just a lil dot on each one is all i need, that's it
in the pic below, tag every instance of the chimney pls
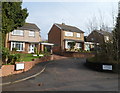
(63, 23)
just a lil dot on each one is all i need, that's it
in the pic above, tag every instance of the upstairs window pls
(78, 35)
(32, 33)
(92, 39)
(106, 38)
(68, 33)
(17, 32)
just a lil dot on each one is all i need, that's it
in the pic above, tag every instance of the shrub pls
(14, 49)
(45, 50)
(9, 57)
(35, 50)
(12, 58)
(5, 54)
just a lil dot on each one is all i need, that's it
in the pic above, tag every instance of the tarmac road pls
(68, 75)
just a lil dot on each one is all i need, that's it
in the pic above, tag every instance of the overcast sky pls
(45, 14)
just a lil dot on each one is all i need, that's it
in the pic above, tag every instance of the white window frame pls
(78, 35)
(78, 45)
(18, 32)
(66, 44)
(32, 33)
(106, 38)
(69, 34)
(22, 45)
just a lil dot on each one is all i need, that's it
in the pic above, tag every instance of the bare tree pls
(92, 24)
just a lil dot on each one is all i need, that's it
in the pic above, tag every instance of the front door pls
(31, 48)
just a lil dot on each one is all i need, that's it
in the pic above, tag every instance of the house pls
(97, 37)
(24, 38)
(61, 34)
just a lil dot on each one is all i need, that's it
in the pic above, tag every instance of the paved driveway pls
(68, 75)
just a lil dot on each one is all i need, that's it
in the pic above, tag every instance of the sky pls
(45, 14)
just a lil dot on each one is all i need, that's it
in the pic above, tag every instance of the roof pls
(69, 28)
(29, 26)
(104, 33)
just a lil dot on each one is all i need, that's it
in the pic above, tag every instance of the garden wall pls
(98, 66)
(10, 69)
(77, 54)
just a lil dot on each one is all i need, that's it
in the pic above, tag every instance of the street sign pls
(107, 67)
(20, 66)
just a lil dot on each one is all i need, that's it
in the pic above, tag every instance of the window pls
(17, 32)
(31, 33)
(106, 38)
(17, 45)
(78, 35)
(92, 39)
(66, 44)
(78, 45)
(68, 33)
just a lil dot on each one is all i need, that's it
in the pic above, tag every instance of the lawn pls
(27, 57)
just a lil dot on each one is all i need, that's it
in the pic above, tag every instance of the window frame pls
(18, 32)
(32, 33)
(14, 45)
(66, 34)
(77, 35)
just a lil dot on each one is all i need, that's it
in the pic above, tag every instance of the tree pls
(116, 38)
(13, 16)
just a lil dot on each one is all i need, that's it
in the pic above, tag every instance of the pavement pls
(68, 74)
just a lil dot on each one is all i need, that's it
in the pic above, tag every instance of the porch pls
(79, 45)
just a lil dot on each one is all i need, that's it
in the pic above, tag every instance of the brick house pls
(61, 34)
(98, 37)
(24, 39)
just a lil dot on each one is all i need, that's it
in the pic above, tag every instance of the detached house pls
(97, 37)
(61, 34)
(24, 39)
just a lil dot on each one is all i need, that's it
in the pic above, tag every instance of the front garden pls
(105, 59)
(10, 57)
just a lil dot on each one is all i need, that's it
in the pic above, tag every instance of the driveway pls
(68, 74)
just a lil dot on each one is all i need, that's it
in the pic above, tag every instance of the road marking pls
(2, 84)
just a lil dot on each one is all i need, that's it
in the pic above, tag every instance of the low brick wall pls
(10, 69)
(77, 54)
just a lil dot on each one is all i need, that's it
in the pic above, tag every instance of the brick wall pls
(10, 69)
(77, 54)
(54, 36)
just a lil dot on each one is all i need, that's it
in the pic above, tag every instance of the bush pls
(12, 58)
(45, 50)
(35, 50)
(5, 54)
(9, 57)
